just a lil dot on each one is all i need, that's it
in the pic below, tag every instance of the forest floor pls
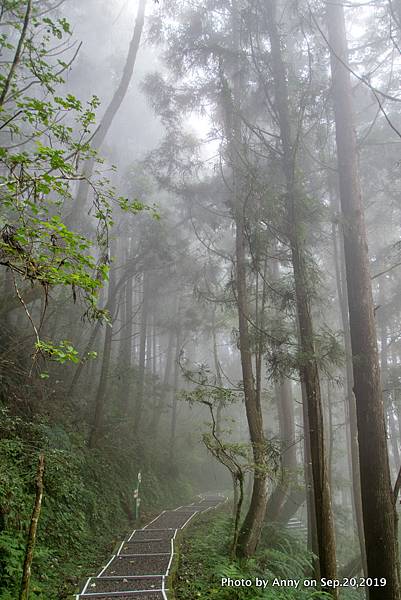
(205, 570)
(141, 566)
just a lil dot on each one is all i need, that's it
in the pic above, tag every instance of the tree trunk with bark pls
(392, 432)
(115, 103)
(308, 369)
(312, 541)
(126, 334)
(286, 499)
(377, 497)
(251, 528)
(100, 399)
(26, 571)
(173, 427)
(82, 362)
(350, 406)
(165, 391)
(142, 351)
(217, 368)
(289, 465)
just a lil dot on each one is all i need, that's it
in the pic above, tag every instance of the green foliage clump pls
(204, 561)
(87, 505)
(46, 147)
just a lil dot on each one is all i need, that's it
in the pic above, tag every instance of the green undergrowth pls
(204, 561)
(87, 505)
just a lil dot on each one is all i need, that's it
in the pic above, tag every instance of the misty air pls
(200, 314)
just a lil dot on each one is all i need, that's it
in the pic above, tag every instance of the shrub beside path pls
(141, 566)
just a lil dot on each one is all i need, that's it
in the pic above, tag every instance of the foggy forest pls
(200, 314)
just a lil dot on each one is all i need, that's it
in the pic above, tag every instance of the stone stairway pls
(141, 566)
(296, 525)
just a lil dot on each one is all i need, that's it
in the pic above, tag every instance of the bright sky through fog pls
(359, 14)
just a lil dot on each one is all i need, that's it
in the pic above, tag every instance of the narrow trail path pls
(141, 566)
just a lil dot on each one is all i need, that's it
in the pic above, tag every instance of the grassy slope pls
(203, 562)
(86, 506)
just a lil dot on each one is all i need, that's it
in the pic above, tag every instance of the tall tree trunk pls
(393, 435)
(330, 429)
(142, 351)
(379, 514)
(100, 399)
(295, 499)
(126, 348)
(82, 363)
(387, 399)
(165, 391)
(350, 406)
(173, 428)
(115, 102)
(252, 526)
(7, 82)
(312, 542)
(308, 370)
(217, 368)
(26, 572)
(283, 502)
(154, 355)
(283, 394)
(260, 306)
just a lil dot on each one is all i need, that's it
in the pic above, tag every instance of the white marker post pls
(137, 497)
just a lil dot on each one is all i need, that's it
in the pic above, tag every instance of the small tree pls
(45, 137)
(232, 455)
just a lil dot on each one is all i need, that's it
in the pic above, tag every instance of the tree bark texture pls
(26, 571)
(377, 497)
(173, 427)
(126, 345)
(142, 351)
(308, 370)
(165, 391)
(115, 102)
(100, 399)
(285, 409)
(350, 406)
(251, 527)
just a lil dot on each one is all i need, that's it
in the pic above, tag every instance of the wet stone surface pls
(149, 534)
(141, 595)
(138, 565)
(188, 512)
(145, 556)
(101, 585)
(171, 519)
(145, 547)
